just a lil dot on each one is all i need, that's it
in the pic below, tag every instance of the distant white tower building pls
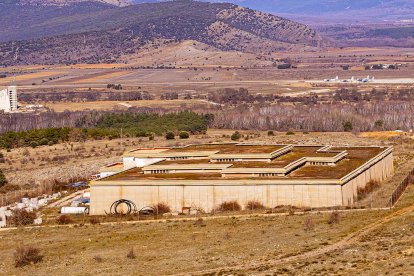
(8, 99)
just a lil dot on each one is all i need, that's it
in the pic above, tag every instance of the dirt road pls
(265, 266)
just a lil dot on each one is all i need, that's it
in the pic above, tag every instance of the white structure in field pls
(2, 217)
(8, 99)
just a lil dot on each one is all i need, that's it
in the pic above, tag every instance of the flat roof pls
(231, 148)
(356, 157)
(284, 160)
(114, 167)
(150, 151)
(353, 160)
(296, 153)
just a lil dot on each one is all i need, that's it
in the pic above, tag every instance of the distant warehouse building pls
(8, 99)
(204, 176)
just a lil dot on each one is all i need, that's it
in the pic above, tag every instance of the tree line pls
(322, 117)
(344, 110)
(18, 122)
(108, 126)
(231, 96)
(87, 96)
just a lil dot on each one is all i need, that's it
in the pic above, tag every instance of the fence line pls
(15, 196)
(401, 189)
(44, 188)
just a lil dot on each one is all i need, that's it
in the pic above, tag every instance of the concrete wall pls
(8, 99)
(106, 174)
(132, 162)
(185, 171)
(5, 100)
(378, 172)
(208, 197)
(215, 159)
(2, 217)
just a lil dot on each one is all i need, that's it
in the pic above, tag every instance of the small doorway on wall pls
(190, 211)
(186, 210)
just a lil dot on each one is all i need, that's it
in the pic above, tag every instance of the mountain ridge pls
(97, 32)
(370, 10)
(333, 10)
(118, 3)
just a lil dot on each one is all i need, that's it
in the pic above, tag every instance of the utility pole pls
(16, 55)
(370, 201)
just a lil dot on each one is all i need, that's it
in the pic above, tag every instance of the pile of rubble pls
(28, 204)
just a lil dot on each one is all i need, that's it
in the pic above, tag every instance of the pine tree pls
(3, 180)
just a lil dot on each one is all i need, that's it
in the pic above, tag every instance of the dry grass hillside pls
(368, 242)
(192, 53)
(88, 32)
(270, 26)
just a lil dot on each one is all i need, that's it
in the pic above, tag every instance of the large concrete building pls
(8, 99)
(204, 176)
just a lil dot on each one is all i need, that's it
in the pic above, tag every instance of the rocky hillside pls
(329, 10)
(369, 10)
(119, 3)
(95, 32)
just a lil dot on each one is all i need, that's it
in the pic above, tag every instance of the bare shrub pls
(254, 205)
(24, 161)
(131, 254)
(25, 255)
(98, 259)
(334, 218)
(45, 159)
(9, 188)
(200, 210)
(3, 179)
(64, 219)
(22, 217)
(94, 220)
(199, 222)
(309, 225)
(161, 208)
(227, 206)
(369, 188)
